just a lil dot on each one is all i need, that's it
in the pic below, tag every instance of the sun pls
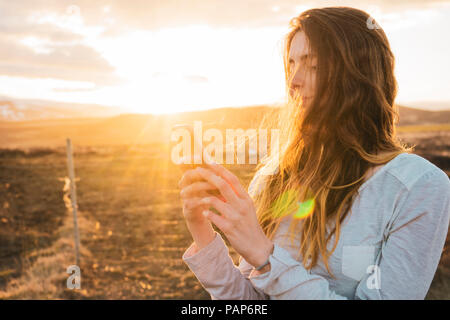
(189, 68)
(156, 71)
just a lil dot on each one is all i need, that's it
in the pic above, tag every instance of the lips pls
(293, 93)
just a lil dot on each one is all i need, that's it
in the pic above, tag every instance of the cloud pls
(192, 78)
(64, 53)
(196, 79)
(144, 14)
(119, 16)
(14, 29)
(74, 89)
(68, 62)
(56, 52)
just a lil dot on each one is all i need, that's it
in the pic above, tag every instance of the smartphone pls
(198, 156)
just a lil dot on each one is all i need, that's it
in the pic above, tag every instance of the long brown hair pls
(349, 127)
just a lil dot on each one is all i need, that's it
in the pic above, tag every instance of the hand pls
(193, 189)
(237, 218)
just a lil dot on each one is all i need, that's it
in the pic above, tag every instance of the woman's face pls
(302, 68)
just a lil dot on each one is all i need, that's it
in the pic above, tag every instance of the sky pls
(151, 56)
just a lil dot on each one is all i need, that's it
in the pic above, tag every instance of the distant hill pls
(24, 110)
(429, 105)
(121, 129)
(146, 128)
(412, 116)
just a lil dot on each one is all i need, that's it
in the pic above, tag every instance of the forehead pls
(299, 46)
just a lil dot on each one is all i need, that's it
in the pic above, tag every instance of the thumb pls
(218, 220)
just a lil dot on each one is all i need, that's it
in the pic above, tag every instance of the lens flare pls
(288, 203)
(305, 209)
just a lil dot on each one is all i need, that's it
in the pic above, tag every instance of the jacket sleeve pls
(216, 272)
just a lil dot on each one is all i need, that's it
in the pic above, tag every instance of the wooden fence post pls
(73, 197)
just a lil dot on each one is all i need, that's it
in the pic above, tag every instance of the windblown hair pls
(327, 148)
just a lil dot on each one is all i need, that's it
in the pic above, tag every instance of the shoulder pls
(416, 172)
(412, 194)
(427, 192)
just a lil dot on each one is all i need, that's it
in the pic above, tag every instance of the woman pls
(348, 211)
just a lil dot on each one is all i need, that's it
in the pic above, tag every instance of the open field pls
(132, 231)
(131, 226)
(424, 128)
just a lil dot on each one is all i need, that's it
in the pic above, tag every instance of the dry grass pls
(45, 278)
(424, 128)
(131, 228)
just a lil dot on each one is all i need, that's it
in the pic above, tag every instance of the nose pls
(297, 82)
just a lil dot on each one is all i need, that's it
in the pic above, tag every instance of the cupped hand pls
(237, 218)
(193, 189)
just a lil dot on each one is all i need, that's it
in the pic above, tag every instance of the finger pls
(196, 188)
(214, 193)
(219, 221)
(224, 188)
(222, 207)
(193, 203)
(189, 177)
(230, 178)
(200, 194)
